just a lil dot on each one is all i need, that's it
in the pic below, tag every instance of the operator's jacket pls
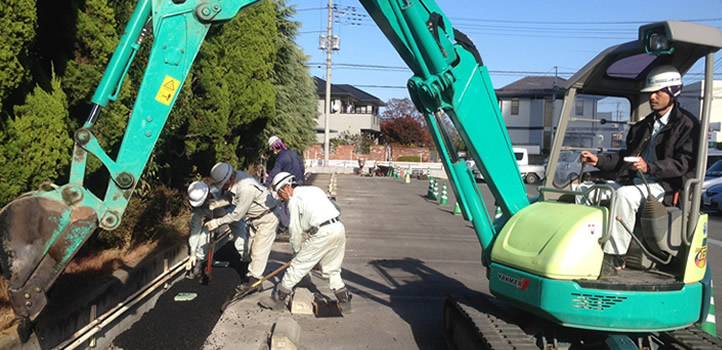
(250, 198)
(288, 161)
(675, 150)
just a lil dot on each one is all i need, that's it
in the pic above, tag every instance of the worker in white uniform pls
(254, 201)
(200, 201)
(313, 213)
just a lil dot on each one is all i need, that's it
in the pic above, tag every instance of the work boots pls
(344, 300)
(278, 300)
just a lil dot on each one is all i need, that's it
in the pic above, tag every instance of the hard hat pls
(664, 77)
(197, 193)
(220, 174)
(282, 179)
(272, 140)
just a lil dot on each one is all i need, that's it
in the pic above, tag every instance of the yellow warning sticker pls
(167, 90)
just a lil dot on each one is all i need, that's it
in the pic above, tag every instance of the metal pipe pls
(104, 320)
(702, 147)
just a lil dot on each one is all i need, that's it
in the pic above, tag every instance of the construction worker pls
(252, 200)
(286, 160)
(198, 196)
(316, 215)
(662, 146)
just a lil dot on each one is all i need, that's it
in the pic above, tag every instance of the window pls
(579, 107)
(514, 106)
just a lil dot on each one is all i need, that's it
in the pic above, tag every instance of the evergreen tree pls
(37, 146)
(296, 101)
(223, 108)
(19, 21)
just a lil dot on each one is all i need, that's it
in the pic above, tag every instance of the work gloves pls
(212, 225)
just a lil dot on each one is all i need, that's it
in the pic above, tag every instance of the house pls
(352, 110)
(691, 100)
(531, 107)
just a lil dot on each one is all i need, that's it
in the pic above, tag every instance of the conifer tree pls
(37, 146)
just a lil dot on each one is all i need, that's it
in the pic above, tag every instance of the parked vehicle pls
(713, 176)
(569, 168)
(712, 199)
(531, 173)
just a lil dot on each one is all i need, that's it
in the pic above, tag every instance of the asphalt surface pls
(404, 256)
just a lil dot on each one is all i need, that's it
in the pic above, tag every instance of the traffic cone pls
(444, 198)
(436, 190)
(498, 213)
(457, 209)
(428, 171)
(408, 178)
(710, 323)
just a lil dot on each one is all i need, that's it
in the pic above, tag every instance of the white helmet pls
(282, 179)
(197, 193)
(220, 174)
(272, 140)
(664, 77)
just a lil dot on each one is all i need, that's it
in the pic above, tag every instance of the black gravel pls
(186, 324)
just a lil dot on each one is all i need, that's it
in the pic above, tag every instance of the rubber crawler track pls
(483, 325)
(480, 327)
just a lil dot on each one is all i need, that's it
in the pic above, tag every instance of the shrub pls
(409, 159)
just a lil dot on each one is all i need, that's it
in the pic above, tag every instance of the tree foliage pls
(401, 108)
(362, 143)
(19, 21)
(406, 131)
(37, 145)
(296, 99)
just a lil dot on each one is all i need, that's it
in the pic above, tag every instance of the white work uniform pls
(252, 200)
(629, 199)
(309, 210)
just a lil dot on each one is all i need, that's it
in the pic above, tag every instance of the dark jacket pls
(288, 161)
(675, 148)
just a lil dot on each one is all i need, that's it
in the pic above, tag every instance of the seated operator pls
(665, 143)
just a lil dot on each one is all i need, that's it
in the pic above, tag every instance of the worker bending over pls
(252, 200)
(315, 214)
(198, 196)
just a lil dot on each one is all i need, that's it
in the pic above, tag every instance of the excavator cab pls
(602, 100)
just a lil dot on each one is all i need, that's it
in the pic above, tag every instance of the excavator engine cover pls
(39, 236)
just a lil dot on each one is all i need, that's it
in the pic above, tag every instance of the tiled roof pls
(342, 90)
(533, 86)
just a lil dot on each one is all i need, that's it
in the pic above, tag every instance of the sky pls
(515, 38)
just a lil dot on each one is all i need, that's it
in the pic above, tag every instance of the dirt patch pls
(92, 266)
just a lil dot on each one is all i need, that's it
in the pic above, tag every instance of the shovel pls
(248, 290)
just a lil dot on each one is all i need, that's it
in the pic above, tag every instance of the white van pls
(531, 174)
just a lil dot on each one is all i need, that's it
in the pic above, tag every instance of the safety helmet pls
(665, 78)
(220, 174)
(197, 193)
(272, 140)
(282, 179)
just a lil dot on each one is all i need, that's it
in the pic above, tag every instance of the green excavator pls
(541, 257)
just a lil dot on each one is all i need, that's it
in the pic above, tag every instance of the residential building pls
(352, 110)
(531, 107)
(691, 100)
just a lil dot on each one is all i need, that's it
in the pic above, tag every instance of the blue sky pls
(515, 38)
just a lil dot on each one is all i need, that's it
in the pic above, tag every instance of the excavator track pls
(481, 326)
(484, 324)
(691, 338)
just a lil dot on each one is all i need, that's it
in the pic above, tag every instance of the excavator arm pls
(41, 231)
(450, 80)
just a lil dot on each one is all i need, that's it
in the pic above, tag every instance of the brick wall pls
(376, 152)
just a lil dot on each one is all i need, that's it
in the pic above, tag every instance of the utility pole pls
(327, 106)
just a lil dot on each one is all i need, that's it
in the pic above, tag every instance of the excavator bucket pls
(39, 237)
